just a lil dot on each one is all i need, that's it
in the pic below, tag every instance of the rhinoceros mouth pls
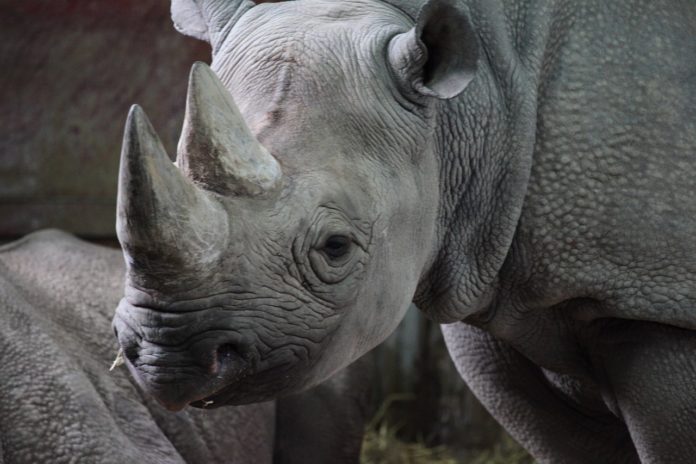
(174, 390)
(194, 370)
(246, 389)
(223, 397)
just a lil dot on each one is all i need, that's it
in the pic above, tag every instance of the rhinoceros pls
(59, 403)
(523, 170)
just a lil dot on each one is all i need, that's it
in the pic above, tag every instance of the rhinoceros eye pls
(334, 249)
(336, 246)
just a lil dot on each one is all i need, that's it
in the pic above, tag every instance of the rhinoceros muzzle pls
(173, 228)
(175, 364)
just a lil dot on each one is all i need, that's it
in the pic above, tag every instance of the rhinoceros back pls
(58, 400)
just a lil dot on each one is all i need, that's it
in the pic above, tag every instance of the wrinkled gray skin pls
(59, 403)
(523, 170)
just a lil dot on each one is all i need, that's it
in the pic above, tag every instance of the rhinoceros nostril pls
(226, 352)
(131, 353)
(228, 359)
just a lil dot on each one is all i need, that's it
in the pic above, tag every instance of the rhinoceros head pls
(292, 232)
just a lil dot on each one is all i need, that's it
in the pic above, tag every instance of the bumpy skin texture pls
(589, 351)
(545, 208)
(59, 402)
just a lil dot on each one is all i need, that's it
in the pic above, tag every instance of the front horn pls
(217, 150)
(164, 222)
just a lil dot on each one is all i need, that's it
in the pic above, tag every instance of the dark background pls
(70, 69)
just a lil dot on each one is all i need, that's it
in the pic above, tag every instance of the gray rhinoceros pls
(523, 170)
(59, 403)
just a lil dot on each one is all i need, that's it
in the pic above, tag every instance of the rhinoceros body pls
(60, 403)
(522, 170)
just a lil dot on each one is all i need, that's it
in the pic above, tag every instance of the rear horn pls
(217, 150)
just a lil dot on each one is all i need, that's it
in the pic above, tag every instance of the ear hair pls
(207, 19)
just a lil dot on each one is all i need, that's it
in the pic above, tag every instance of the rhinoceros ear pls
(208, 19)
(436, 58)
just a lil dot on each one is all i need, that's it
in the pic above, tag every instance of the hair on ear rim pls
(208, 20)
(188, 19)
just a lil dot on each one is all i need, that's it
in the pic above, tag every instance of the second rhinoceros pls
(523, 170)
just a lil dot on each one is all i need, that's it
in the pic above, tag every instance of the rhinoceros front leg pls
(650, 373)
(326, 423)
(518, 395)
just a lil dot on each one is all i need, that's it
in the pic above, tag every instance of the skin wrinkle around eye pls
(276, 269)
(320, 227)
